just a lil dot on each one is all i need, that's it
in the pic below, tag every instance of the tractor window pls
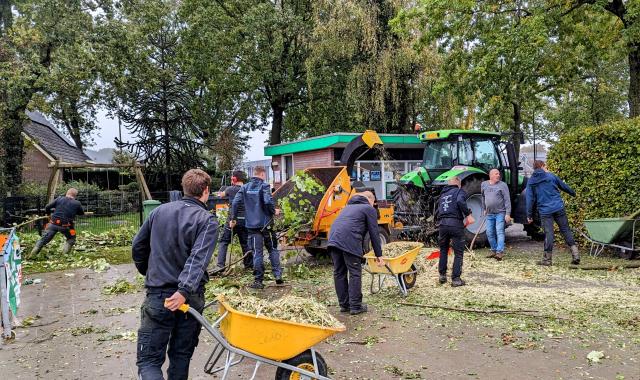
(486, 155)
(440, 155)
(466, 153)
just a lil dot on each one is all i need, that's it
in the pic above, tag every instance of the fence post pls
(140, 211)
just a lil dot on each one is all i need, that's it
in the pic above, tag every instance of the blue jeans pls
(266, 237)
(161, 328)
(495, 231)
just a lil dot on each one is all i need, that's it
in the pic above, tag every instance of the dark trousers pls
(243, 236)
(258, 239)
(560, 217)
(159, 328)
(451, 235)
(349, 291)
(50, 233)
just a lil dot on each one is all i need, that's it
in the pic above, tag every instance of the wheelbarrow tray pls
(397, 265)
(271, 338)
(608, 230)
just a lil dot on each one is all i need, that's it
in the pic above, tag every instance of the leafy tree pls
(626, 29)
(502, 53)
(363, 74)
(268, 43)
(31, 34)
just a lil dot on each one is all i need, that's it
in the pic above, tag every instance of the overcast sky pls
(108, 131)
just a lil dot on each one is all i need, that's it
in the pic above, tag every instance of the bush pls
(602, 164)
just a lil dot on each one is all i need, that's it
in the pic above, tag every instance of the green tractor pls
(469, 155)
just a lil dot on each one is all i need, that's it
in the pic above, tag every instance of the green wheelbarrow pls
(617, 233)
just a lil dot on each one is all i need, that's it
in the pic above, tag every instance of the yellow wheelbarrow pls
(401, 268)
(284, 344)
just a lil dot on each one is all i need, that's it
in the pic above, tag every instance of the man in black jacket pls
(451, 212)
(346, 239)
(238, 178)
(172, 250)
(65, 209)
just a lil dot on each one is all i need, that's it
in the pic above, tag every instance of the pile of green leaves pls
(298, 212)
(121, 286)
(601, 164)
(85, 241)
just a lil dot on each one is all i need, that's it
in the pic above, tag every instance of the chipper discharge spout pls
(357, 147)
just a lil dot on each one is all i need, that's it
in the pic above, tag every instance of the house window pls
(287, 167)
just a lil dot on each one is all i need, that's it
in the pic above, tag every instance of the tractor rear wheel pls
(474, 202)
(384, 239)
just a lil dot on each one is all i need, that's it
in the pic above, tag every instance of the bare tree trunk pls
(634, 80)
(276, 125)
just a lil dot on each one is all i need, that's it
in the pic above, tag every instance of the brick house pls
(44, 144)
(403, 153)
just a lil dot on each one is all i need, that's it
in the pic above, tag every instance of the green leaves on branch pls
(298, 211)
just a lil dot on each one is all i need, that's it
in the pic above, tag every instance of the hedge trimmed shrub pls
(602, 164)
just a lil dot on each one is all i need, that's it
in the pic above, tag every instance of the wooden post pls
(52, 186)
(143, 184)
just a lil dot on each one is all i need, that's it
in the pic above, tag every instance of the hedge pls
(602, 164)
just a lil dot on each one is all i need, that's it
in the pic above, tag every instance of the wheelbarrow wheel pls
(409, 278)
(302, 361)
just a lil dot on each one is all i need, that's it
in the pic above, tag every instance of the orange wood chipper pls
(339, 189)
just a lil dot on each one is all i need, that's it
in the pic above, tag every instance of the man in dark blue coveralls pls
(451, 213)
(346, 239)
(259, 211)
(65, 209)
(172, 250)
(238, 179)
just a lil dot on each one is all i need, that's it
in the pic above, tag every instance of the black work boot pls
(443, 279)
(546, 259)
(575, 255)
(455, 282)
(360, 310)
(257, 285)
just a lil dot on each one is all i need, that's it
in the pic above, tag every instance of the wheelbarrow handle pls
(183, 308)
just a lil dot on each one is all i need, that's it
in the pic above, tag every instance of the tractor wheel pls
(534, 231)
(384, 239)
(474, 202)
(303, 361)
(315, 251)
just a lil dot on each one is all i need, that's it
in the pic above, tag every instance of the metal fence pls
(108, 210)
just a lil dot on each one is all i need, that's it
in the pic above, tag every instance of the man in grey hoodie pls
(496, 205)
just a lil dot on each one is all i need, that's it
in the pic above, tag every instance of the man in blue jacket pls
(346, 239)
(543, 190)
(451, 212)
(172, 250)
(259, 211)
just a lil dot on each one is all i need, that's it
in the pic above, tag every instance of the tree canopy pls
(191, 79)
